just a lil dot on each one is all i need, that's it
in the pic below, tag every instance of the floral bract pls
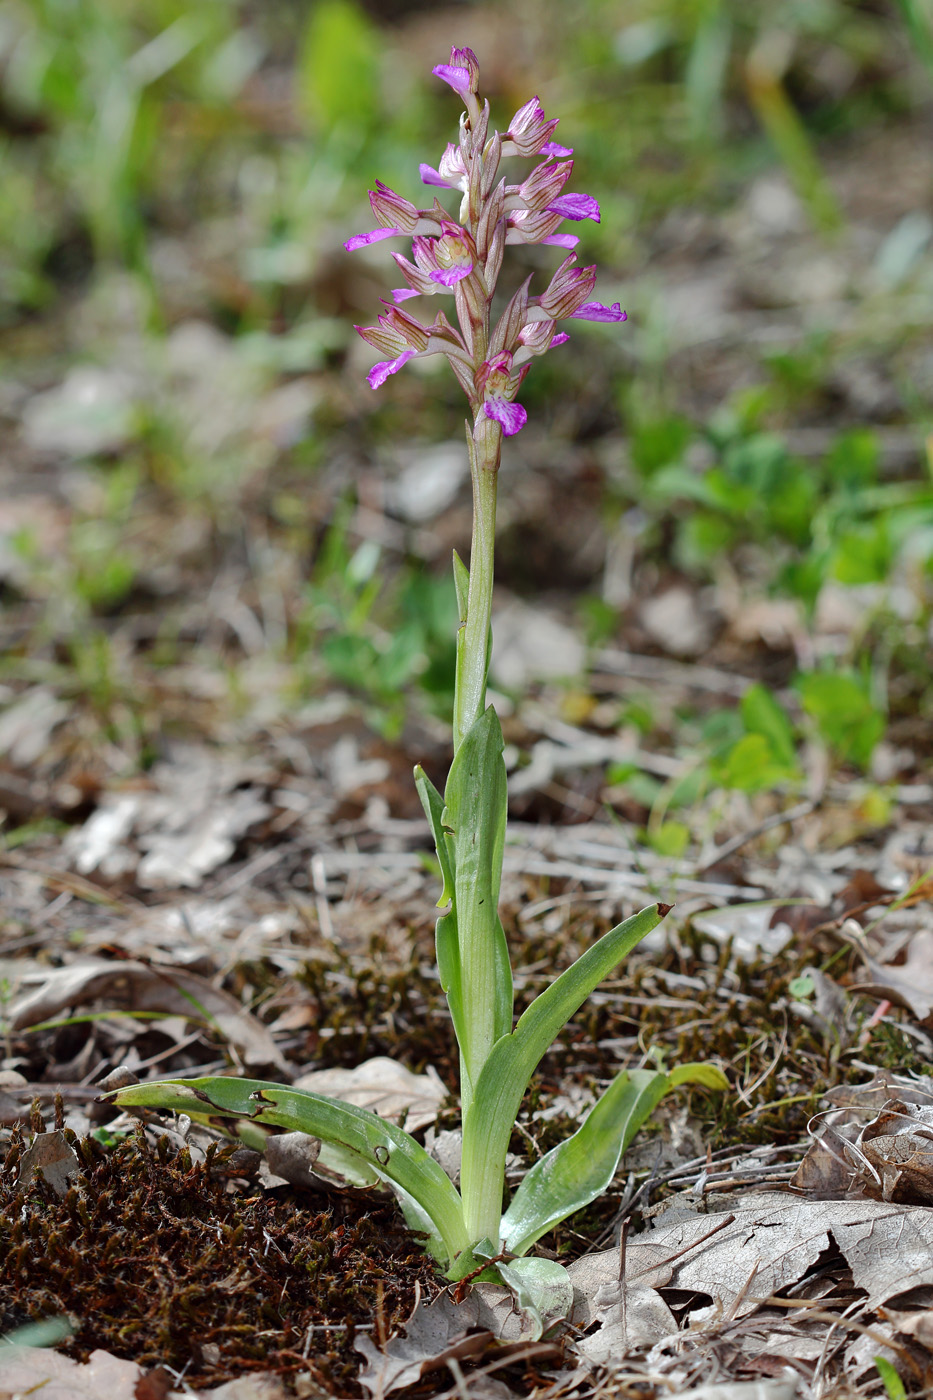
(462, 257)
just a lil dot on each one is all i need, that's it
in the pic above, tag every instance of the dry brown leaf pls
(737, 1260)
(911, 983)
(443, 1330)
(383, 1086)
(137, 986)
(52, 1157)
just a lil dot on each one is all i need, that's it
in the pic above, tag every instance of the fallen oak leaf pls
(443, 1331)
(383, 1086)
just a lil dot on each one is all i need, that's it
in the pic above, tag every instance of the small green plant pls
(467, 1230)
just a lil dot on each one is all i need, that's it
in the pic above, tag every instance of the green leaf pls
(473, 821)
(669, 839)
(388, 1150)
(702, 1072)
(488, 1123)
(542, 1290)
(446, 937)
(433, 805)
(762, 714)
(844, 714)
(894, 1386)
(578, 1170)
(338, 66)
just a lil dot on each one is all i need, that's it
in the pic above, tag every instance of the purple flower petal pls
(511, 415)
(560, 338)
(376, 235)
(554, 148)
(458, 78)
(450, 276)
(430, 176)
(575, 206)
(404, 294)
(378, 375)
(561, 240)
(595, 311)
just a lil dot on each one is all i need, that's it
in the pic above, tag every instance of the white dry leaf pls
(677, 622)
(429, 482)
(136, 986)
(42, 1372)
(631, 1318)
(179, 829)
(739, 1259)
(26, 726)
(266, 1387)
(207, 840)
(385, 1087)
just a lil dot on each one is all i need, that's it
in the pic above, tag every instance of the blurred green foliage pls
(237, 141)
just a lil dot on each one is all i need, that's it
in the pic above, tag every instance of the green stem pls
(473, 640)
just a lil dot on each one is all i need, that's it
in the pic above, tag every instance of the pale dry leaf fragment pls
(52, 1157)
(632, 1318)
(385, 1087)
(531, 644)
(736, 1260)
(440, 1331)
(141, 987)
(26, 726)
(208, 839)
(872, 1141)
(260, 1387)
(42, 1372)
(910, 984)
(291, 1156)
(742, 1390)
(677, 622)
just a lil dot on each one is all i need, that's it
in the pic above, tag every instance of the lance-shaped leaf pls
(473, 823)
(446, 940)
(579, 1169)
(391, 1152)
(505, 1075)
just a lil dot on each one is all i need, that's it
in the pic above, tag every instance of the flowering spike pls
(462, 256)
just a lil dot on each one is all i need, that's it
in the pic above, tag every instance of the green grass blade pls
(390, 1151)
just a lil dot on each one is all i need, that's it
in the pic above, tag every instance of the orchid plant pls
(461, 257)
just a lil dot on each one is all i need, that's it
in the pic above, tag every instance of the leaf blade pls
(389, 1150)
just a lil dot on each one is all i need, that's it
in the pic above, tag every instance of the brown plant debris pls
(171, 1263)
